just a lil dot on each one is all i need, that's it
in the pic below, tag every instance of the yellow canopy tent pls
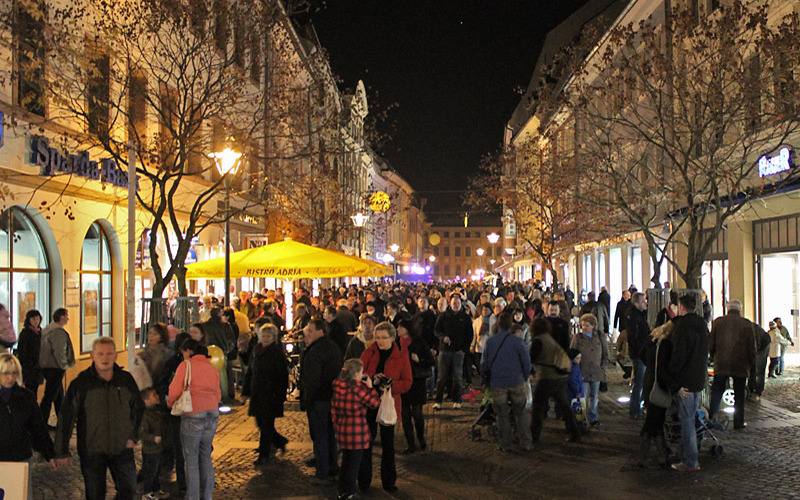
(287, 260)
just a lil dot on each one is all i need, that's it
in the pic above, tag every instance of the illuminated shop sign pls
(771, 165)
(52, 162)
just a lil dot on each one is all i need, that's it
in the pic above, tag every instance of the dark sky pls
(453, 68)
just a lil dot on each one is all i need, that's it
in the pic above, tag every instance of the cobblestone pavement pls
(764, 457)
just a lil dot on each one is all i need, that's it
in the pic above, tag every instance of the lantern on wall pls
(379, 202)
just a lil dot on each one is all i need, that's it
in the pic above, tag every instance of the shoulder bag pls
(659, 396)
(489, 368)
(183, 404)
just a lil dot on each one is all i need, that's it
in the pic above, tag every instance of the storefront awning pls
(287, 260)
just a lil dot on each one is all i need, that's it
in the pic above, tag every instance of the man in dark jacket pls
(336, 331)
(454, 330)
(756, 381)
(621, 310)
(559, 327)
(687, 370)
(605, 298)
(732, 346)
(599, 311)
(346, 317)
(638, 332)
(104, 399)
(320, 364)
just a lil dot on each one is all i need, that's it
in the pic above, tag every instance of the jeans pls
(451, 365)
(197, 436)
(591, 390)
(635, 407)
(687, 410)
(774, 366)
(518, 398)
(351, 463)
(269, 436)
(756, 381)
(542, 392)
(431, 382)
(388, 469)
(150, 464)
(718, 386)
(320, 426)
(173, 456)
(53, 391)
(781, 365)
(123, 472)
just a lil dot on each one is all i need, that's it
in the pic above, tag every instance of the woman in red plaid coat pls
(352, 395)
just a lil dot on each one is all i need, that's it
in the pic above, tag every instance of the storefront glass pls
(780, 287)
(24, 270)
(715, 284)
(635, 268)
(95, 287)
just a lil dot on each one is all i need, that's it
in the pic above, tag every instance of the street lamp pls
(227, 162)
(493, 239)
(480, 252)
(359, 220)
(394, 247)
(432, 259)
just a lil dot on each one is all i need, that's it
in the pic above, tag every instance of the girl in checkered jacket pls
(352, 395)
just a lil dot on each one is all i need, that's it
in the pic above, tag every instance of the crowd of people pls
(371, 357)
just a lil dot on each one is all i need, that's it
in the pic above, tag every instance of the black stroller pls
(672, 430)
(486, 418)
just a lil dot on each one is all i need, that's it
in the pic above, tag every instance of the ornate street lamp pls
(227, 162)
(359, 220)
(394, 247)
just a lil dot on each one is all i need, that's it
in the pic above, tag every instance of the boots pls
(644, 450)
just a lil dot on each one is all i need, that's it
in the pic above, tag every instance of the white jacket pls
(778, 344)
(478, 342)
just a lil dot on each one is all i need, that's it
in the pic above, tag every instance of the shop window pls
(95, 287)
(24, 267)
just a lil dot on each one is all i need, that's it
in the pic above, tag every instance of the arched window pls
(24, 268)
(95, 287)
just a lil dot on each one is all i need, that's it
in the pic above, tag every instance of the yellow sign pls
(379, 202)
(434, 239)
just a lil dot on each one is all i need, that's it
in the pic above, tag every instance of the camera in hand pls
(381, 382)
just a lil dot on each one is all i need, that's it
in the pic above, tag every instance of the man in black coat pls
(346, 317)
(598, 310)
(320, 364)
(559, 327)
(638, 332)
(621, 310)
(454, 330)
(605, 298)
(756, 381)
(336, 331)
(688, 372)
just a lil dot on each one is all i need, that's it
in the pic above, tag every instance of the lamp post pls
(359, 220)
(227, 162)
(493, 239)
(480, 252)
(394, 247)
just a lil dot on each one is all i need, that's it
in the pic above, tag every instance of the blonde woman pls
(653, 429)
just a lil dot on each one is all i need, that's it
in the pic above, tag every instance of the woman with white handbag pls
(195, 394)
(657, 354)
(390, 369)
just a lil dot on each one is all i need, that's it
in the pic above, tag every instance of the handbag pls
(183, 404)
(659, 396)
(387, 414)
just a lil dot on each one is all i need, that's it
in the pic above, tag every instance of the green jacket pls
(108, 413)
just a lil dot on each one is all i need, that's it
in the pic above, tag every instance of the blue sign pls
(52, 162)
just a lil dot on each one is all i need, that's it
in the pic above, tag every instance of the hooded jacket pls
(56, 349)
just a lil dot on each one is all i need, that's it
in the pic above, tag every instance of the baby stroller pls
(486, 418)
(672, 430)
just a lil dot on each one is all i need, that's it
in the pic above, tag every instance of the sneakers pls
(682, 467)
(437, 406)
(456, 405)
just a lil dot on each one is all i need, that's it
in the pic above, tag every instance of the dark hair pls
(200, 327)
(505, 320)
(540, 326)
(228, 313)
(689, 302)
(330, 310)
(369, 317)
(410, 328)
(487, 305)
(319, 325)
(180, 339)
(195, 347)
(161, 330)
(215, 314)
(33, 313)
(259, 322)
(394, 305)
(59, 313)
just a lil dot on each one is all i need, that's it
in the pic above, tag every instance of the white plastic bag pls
(183, 404)
(387, 415)
(141, 374)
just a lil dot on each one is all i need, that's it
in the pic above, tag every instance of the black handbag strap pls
(491, 363)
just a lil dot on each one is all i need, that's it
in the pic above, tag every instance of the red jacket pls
(397, 368)
(349, 414)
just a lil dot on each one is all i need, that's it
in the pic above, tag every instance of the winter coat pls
(732, 345)
(599, 311)
(338, 334)
(30, 343)
(357, 345)
(397, 368)
(506, 360)
(425, 322)
(458, 327)
(154, 423)
(154, 357)
(638, 330)
(320, 364)
(266, 381)
(221, 335)
(594, 356)
(23, 426)
(777, 343)
(203, 386)
(688, 365)
(56, 350)
(349, 414)
(664, 378)
(559, 330)
(619, 313)
(478, 340)
(419, 369)
(108, 413)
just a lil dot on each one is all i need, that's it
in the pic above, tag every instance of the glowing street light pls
(359, 220)
(432, 258)
(394, 247)
(493, 238)
(480, 252)
(227, 162)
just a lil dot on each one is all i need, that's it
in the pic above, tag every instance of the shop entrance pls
(780, 287)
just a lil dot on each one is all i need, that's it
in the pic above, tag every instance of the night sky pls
(452, 66)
